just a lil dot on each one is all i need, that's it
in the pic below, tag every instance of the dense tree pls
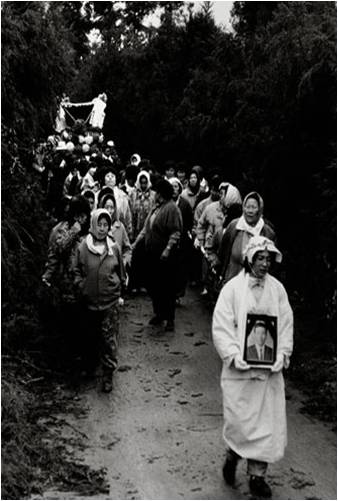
(37, 59)
(260, 102)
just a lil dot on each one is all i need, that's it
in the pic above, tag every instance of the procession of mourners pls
(127, 228)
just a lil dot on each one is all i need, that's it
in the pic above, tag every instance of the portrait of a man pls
(259, 350)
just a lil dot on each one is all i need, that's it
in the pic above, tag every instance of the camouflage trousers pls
(103, 329)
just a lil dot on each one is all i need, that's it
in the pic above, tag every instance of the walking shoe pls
(170, 326)
(259, 487)
(229, 471)
(155, 320)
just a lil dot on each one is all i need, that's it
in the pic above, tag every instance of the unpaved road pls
(159, 433)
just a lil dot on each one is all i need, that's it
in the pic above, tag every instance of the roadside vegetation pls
(258, 103)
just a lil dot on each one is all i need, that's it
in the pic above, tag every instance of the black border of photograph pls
(270, 322)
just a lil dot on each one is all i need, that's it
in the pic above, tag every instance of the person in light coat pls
(253, 398)
(117, 230)
(100, 279)
(107, 177)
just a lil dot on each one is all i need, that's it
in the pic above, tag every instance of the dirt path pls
(159, 434)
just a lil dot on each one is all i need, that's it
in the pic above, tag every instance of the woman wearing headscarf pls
(238, 233)
(161, 233)
(100, 278)
(117, 230)
(203, 182)
(253, 397)
(142, 200)
(108, 178)
(185, 248)
(193, 192)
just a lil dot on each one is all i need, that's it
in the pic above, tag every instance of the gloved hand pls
(279, 364)
(240, 364)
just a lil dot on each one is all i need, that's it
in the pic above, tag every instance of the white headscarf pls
(135, 159)
(260, 243)
(173, 180)
(242, 223)
(232, 196)
(108, 243)
(139, 175)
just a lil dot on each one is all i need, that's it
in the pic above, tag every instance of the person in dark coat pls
(185, 249)
(238, 233)
(161, 233)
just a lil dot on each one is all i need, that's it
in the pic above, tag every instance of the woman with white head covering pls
(108, 177)
(142, 200)
(253, 397)
(100, 278)
(135, 159)
(117, 230)
(238, 233)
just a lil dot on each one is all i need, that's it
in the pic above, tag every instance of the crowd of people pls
(129, 228)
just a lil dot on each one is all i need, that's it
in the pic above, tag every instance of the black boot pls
(259, 487)
(229, 470)
(155, 320)
(170, 326)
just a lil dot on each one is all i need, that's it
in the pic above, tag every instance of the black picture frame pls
(269, 353)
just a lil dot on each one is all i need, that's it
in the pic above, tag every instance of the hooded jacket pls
(99, 277)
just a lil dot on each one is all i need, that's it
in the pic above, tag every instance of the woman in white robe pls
(253, 398)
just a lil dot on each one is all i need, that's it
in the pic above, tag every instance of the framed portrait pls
(260, 346)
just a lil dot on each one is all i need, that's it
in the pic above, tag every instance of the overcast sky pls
(222, 12)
